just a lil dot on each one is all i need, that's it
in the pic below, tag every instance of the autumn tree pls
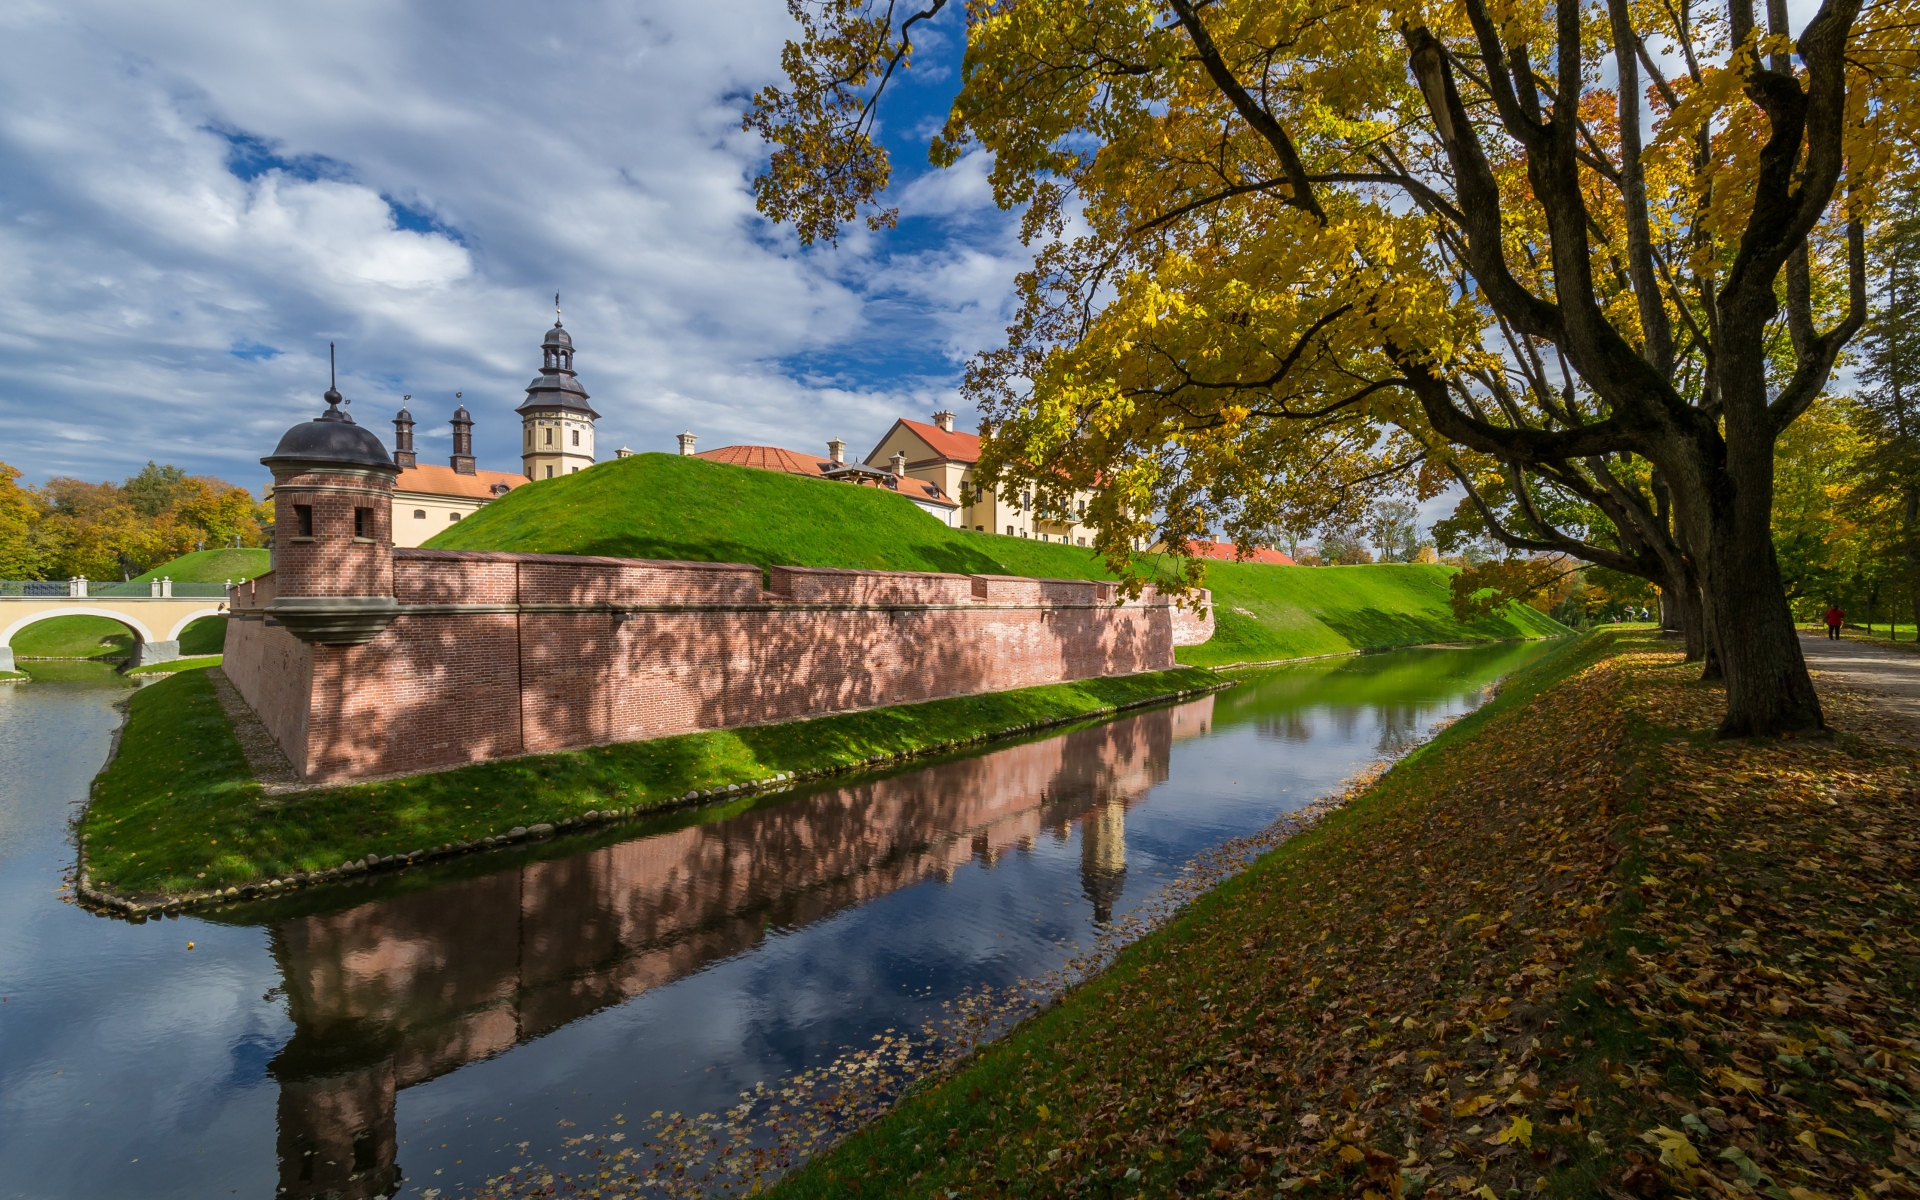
(1888, 404)
(1282, 249)
(21, 554)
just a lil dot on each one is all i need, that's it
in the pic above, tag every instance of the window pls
(363, 523)
(419, 514)
(1043, 537)
(576, 437)
(1081, 541)
(303, 520)
(453, 516)
(575, 471)
(979, 528)
(1009, 531)
(549, 437)
(549, 472)
(529, 438)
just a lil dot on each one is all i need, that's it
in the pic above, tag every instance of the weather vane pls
(556, 308)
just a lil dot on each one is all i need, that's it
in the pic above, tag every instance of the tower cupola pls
(556, 421)
(462, 458)
(403, 436)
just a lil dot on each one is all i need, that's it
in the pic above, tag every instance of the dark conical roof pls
(330, 439)
(557, 386)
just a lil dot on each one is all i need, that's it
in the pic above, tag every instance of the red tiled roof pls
(773, 458)
(920, 489)
(434, 480)
(1230, 552)
(957, 447)
(766, 458)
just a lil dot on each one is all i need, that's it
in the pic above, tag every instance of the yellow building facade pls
(944, 456)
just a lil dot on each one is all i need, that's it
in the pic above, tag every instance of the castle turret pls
(403, 438)
(556, 420)
(332, 530)
(462, 458)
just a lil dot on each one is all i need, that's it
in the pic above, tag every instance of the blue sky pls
(194, 200)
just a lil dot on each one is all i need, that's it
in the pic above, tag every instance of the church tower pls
(556, 421)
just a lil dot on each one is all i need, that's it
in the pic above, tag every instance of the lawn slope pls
(673, 507)
(211, 566)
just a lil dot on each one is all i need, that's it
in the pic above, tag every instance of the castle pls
(364, 658)
(556, 438)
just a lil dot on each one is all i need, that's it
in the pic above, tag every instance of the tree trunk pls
(1729, 502)
(1911, 517)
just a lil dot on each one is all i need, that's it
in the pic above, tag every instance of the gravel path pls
(1892, 672)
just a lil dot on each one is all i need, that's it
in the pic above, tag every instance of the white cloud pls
(198, 198)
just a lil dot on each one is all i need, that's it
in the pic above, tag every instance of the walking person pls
(1835, 619)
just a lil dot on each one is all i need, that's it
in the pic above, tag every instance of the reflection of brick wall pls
(503, 654)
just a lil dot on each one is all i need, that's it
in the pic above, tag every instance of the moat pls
(425, 1032)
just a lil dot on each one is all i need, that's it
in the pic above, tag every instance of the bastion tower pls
(556, 420)
(332, 530)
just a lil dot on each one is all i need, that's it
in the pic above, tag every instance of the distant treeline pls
(70, 527)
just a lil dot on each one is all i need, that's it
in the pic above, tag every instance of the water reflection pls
(399, 991)
(443, 1023)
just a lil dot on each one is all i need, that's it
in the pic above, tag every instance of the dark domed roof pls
(402, 415)
(557, 386)
(330, 438)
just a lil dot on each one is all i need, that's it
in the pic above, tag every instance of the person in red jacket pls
(1835, 619)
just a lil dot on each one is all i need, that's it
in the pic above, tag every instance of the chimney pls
(944, 419)
(462, 458)
(686, 442)
(837, 451)
(403, 437)
(899, 463)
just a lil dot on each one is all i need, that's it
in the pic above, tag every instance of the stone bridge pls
(155, 613)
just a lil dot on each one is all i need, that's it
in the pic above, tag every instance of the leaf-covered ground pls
(1575, 948)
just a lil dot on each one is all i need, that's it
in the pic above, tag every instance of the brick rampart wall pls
(495, 655)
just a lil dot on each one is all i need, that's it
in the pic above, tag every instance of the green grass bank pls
(673, 507)
(1574, 947)
(178, 812)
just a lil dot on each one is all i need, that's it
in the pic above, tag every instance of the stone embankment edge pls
(138, 908)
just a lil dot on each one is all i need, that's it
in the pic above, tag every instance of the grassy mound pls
(103, 637)
(74, 637)
(178, 808)
(210, 566)
(673, 507)
(1576, 947)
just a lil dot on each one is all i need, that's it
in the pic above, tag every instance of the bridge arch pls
(180, 626)
(140, 631)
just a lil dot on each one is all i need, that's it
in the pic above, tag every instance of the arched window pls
(419, 514)
(453, 516)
